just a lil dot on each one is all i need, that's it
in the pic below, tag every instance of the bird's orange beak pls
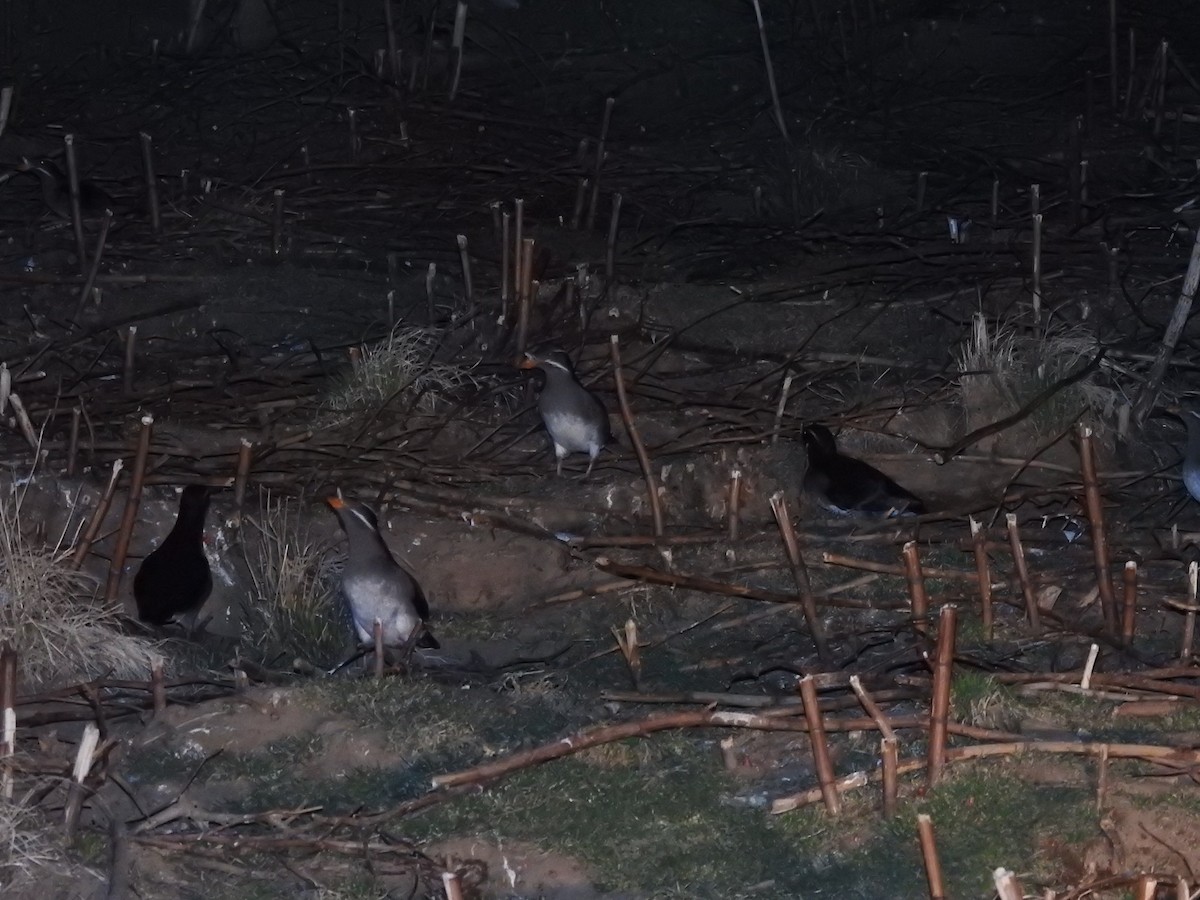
(527, 363)
(335, 502)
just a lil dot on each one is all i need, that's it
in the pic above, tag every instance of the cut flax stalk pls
(452, 885)
(1189, 619)
(132, 501)
(820, 746)
(635, 438)
(147, 144)
(800, 576)
(916, 587)
(8, 731)
(377, 630)
(83, 765)
(1007, 885)
(627, 643)
(889, 746)
(76, 212)
(983, 568)
(1129, 602)
(939, 714)
(929, 857)
(464, 259)
(241, 475)
(1027, 593)
(610, 254)
(129, 370)
(524, 295)
(735, 501)
(1095, 511)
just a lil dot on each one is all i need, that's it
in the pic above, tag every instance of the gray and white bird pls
(375, 586)
(575, 419)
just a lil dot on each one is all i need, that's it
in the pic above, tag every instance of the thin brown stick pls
(708, 585)
(867, 565)
(603, 735)
(800, 576)
(1095, 511)
(133, 500)
(1183, 306)
(929, 857)
(97, 520)
(889, 746)
(635, 438)
(939, 712)
(94, 270)
(820, 746)
(1027, 592)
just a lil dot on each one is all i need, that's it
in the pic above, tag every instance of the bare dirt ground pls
(761, 275)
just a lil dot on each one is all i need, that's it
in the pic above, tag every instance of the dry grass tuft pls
(1003, 369)
(31, 859)
(295, 609)
(402, 369)
(53, 617)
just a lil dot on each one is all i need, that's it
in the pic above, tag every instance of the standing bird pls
(56, 191)
(847, 485)
(174, 580)
(375, 585)
(576, 420)
(1191, 452)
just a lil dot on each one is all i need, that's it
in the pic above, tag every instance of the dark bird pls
(1191, 452)
(56, 191)
(576, 420)
(375, 586)
(847, 485)
(174, 580)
